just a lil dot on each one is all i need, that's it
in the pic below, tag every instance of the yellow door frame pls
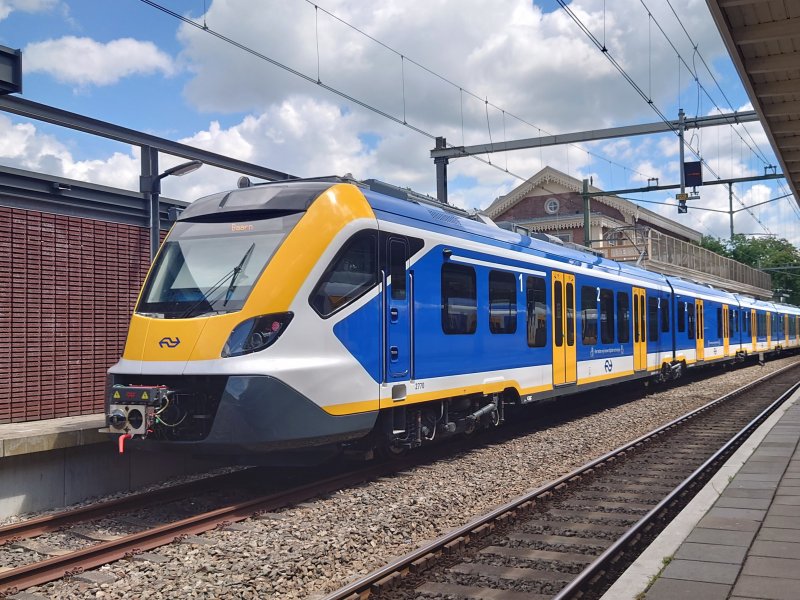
(639, 330)
(700, 326)
(786, 330)
(565, 351)
(768, 320)
(726, 333)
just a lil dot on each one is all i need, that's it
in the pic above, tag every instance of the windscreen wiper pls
(236, 270)
(232, 273)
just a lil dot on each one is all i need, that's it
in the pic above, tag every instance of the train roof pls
(437, 215)
(427, 213)
(459, 224)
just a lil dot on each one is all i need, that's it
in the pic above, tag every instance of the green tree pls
(764, 253)
(715, 245)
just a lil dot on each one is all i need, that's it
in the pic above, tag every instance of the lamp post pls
(150, 187)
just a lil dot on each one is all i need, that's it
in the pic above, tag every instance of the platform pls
(51, 434)
(56, 462)
(739, 538)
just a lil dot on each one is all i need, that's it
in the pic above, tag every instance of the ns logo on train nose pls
(168, 342)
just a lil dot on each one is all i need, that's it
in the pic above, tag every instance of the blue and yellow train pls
(321, 314)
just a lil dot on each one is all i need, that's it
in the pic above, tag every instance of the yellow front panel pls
(203, 338)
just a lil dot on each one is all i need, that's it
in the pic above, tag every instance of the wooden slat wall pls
(67, 289)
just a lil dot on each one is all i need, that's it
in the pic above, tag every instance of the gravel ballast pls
(315, 548)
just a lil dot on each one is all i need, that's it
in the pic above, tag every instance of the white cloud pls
(537, 65)
(23, 146)
(534, 64)
(84, 61)
(30, 6)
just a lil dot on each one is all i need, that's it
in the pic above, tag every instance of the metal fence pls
(652, 246)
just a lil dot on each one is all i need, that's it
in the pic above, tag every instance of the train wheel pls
(387, 450)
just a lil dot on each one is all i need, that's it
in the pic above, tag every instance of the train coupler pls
(132, 410)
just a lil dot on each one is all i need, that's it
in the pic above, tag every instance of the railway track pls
(103, 548)
(54, 536)
(574, 536)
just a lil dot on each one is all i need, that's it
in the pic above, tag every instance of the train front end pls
(223, 355)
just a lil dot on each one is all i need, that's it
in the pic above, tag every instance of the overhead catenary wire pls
(757, 149)
(582, 26)
(693, 71)
(700, 86)
(461, 89)
(309, 79)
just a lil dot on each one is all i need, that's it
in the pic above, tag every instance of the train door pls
(786, 330)
(754, 328)
(639, 330)
(768, 321)
(565, 368)
(398, 316)
(700, 324)
(726, 330)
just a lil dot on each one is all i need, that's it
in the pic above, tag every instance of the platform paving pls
(746, 544)
(17, 439)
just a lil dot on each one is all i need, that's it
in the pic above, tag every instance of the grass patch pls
(664, 563)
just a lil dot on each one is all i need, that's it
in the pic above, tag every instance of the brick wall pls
(67, 289)
(532, 207)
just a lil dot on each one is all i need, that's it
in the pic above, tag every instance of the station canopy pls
(763, 39)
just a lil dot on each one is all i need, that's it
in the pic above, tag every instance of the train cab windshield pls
(211, 268)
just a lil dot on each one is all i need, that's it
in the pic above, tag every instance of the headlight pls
(256, 334)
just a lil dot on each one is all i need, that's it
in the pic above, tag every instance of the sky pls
(473, 71)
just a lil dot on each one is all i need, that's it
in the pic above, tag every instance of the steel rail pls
(482, 524)
(47, 570)
(53, 522)
(595, 569)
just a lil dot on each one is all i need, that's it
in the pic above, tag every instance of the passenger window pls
(719, 323)
(623, 317)
(459, 299)
(536, 301)
(652, 319)
(665, 315)
(588, 315)
(606, 316)
(397, 268)
(681, 316)
(502, 302)
(349, 276)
